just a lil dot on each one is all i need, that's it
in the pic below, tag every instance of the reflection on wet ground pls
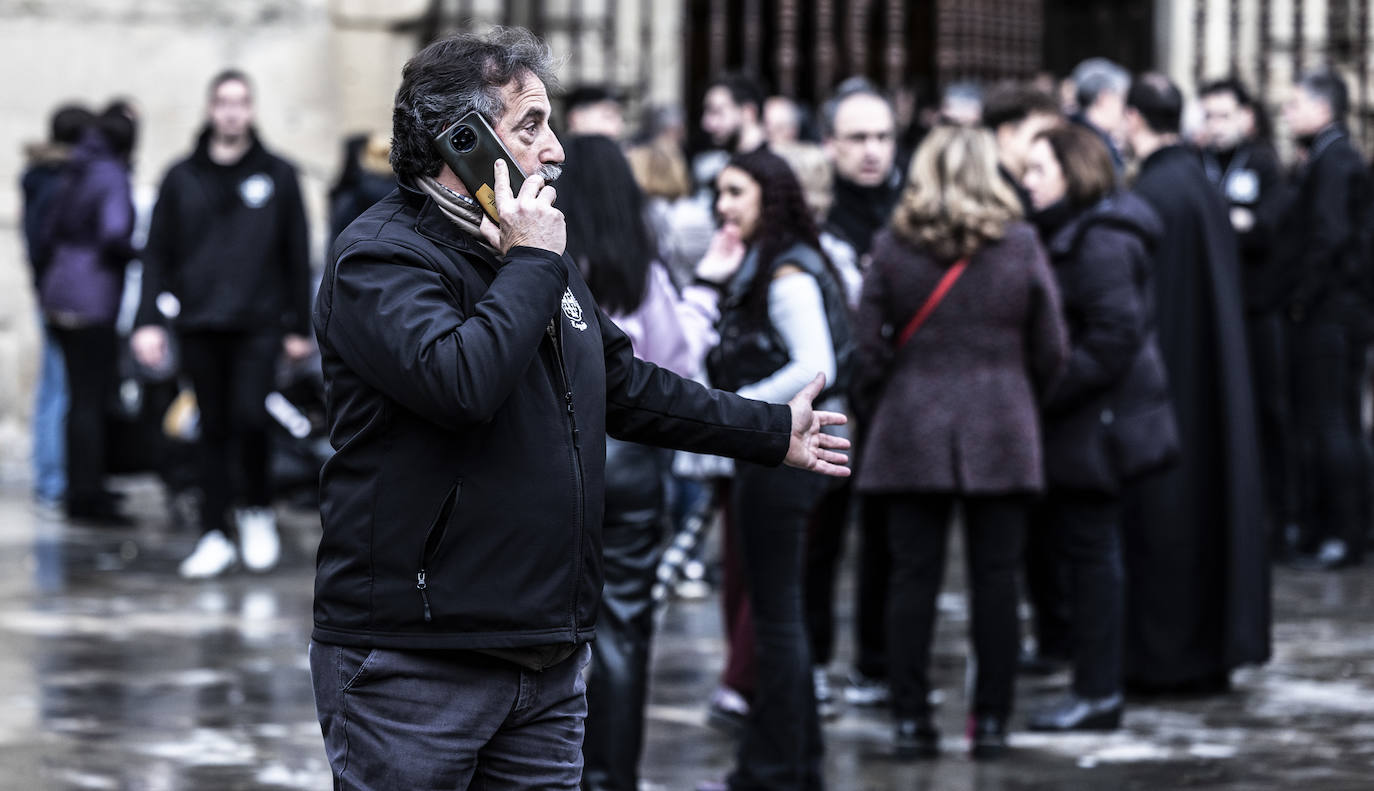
(116, 674)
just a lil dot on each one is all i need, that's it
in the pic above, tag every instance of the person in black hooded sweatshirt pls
(229, 240)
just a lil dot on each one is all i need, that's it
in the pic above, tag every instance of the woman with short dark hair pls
(1109, 418)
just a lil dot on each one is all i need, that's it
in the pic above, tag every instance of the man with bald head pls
(860, 137)
(861, 140)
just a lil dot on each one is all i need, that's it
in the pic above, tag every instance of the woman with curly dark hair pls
(783, 318)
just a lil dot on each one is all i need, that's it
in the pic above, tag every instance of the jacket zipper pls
(433, 538)
(422, 586)
(556, 339)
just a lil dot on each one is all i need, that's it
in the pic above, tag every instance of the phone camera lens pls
(465, 139)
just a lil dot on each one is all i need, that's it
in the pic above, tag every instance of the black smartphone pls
(470, 147)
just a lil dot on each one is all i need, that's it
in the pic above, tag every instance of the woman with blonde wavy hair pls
(959, 331)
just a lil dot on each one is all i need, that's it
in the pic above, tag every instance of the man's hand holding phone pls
(528, 219)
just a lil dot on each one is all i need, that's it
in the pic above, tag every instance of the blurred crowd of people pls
(222, 296)
(1129, 351)
(1132, 356)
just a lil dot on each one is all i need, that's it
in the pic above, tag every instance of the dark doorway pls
(804, 48)
(1079, 29)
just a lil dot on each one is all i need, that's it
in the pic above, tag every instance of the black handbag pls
(748, 351)
(1143, 442)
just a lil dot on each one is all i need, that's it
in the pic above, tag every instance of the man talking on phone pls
(472, 382)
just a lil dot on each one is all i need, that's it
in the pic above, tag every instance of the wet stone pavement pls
(116, 674)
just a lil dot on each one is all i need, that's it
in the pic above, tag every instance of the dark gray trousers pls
(450, 720)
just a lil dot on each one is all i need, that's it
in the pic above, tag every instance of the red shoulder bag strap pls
(936, 297)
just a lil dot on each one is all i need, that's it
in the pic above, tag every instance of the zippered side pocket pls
(434, 538)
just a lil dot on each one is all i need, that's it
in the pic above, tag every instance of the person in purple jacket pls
(85, 246)
(47, 161)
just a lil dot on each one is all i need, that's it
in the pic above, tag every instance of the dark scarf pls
(1314, 145)
(1053, 219)
(858, 213)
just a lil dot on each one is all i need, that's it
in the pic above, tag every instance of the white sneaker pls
(214, 554)
(827, 707)
(866, 691)
(258, 540)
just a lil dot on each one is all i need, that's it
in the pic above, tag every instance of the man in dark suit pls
(1241, 162)
(1326, 268)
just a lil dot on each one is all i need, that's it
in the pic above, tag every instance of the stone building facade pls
(328, 68)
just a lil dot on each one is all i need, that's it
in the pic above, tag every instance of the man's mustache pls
(550, 172)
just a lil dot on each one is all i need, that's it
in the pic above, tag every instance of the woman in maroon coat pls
(956, 418)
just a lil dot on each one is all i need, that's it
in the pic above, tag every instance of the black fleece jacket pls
(469, 402)
(1250, 177)
(231, 243)
(1322, 269)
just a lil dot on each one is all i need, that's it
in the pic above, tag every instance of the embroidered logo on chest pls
(256, 190)
(1243, 186)
(573, 310)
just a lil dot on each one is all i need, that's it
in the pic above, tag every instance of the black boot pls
(1076, 713)
(916, 737)
(988, 737)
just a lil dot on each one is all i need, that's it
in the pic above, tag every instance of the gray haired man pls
(1100, 86)
(472, 382)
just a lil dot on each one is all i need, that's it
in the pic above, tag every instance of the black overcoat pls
(1322, 265)
(1198, 595)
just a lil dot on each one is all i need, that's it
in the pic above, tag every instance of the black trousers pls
(825, 545)
(89, 353)
(918, 532)
(1328, 369)
(1086, 529)
(825, 534)
(1047, 588)
(618, 676)
(232, 373)
(781, 746)
(1270, 366)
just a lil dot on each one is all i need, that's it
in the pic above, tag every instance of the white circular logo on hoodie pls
(256, 190)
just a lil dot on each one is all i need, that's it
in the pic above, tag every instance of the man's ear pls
(449, 179)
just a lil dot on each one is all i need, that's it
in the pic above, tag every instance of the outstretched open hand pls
(809, 449)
